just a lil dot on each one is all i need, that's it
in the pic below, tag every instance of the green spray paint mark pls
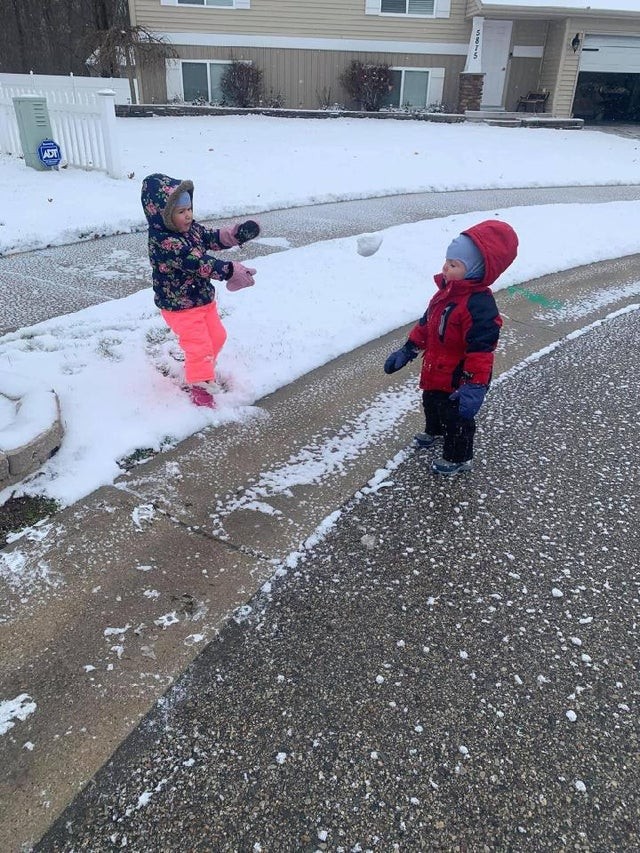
(538, 298)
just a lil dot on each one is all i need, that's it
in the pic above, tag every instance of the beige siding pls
(550, 68)
(305, 75)
(568, 71)
(605, 26)
(306, 78)
(558, 72)
(329, 19)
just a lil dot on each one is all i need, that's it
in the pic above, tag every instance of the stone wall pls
(470, 91)
(147, 110)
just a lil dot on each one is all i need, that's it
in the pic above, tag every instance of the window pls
(202, 80)
(228, 3)
(194, 81)
(407, 7)
(410, 89)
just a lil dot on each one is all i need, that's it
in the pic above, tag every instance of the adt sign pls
(49, 153)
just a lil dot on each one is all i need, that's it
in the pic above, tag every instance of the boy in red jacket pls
(458, 334)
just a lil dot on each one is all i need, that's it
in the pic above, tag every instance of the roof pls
(561, 8)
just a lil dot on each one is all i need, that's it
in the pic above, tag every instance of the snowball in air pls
(368, 244)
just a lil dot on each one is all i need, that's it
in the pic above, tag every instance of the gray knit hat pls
(465, 250)
(172, 202)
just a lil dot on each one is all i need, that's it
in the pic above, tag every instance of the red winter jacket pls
(460, 328)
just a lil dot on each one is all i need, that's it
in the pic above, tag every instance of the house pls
(587, 58)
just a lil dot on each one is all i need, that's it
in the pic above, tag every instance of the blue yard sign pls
(49, 153)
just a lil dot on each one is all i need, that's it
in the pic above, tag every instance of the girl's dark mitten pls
(247, 230)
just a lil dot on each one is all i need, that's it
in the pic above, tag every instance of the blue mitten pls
(470, 397)
(400, 357)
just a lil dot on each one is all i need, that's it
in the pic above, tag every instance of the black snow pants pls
(442, 418)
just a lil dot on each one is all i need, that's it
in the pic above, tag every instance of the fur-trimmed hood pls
(159, 196)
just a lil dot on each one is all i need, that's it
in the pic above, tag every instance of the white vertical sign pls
(473, 64)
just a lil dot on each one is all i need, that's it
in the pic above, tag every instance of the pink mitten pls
(241, 277)
(238, 234)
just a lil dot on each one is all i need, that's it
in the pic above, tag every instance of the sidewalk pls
(128, 586)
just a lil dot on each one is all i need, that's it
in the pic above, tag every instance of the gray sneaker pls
(425, 439)
(443, 466)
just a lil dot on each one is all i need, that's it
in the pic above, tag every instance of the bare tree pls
(78, 37)
(117, 44)
(47, 38)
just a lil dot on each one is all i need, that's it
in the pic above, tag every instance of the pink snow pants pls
(201, 336)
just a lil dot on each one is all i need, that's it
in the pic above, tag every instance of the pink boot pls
(200, 396)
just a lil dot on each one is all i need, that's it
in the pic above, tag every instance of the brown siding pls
(523, 78)
(305, 77)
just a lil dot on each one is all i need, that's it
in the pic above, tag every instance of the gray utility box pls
(34, 126)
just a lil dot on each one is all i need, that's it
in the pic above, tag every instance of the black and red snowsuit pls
(458, 335)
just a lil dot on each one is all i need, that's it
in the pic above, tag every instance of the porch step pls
(497, 118)
(490, 114)
(552, 121)
(503, 122)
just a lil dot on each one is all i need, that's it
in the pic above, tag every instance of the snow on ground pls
(114, 365)
(243, 164)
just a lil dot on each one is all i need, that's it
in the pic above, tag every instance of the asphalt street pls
(455, 667)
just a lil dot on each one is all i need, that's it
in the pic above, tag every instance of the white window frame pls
(403, 69)
(435, 83)
(206, 62)
(441, 9)
(237, 4)
(407, 14)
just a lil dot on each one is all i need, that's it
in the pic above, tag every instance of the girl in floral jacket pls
(182, 273)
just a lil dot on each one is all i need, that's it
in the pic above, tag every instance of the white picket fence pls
(82, 115)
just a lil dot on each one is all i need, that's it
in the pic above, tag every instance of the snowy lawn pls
(113, 365)
(243, 164)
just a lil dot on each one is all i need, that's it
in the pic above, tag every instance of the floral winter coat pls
(459, 331)
(182, 270)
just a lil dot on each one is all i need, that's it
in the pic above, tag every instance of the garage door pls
(611, 53)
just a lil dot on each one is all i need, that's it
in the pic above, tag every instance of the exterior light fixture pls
(575, 42)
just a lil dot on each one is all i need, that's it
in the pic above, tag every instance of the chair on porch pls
(536, 100)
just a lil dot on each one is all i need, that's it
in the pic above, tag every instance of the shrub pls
(241, 84)
(407, 108)
(367, 84)
(272, 100)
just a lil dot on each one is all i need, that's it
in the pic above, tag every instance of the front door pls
(496, 41)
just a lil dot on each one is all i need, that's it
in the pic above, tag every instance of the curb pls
(34, 432)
